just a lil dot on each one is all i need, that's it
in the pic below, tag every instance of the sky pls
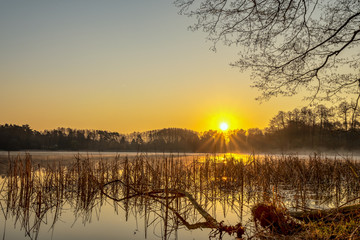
(122, 66)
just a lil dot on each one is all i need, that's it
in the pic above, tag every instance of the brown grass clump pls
(274, 216)
(338, 223)
(343, 229)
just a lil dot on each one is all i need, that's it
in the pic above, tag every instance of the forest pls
(312, 128)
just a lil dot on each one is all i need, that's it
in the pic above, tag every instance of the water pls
(113, 220)
(104, 222)
(225, 187)
(69, 155)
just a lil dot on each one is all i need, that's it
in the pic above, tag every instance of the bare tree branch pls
(290, 45)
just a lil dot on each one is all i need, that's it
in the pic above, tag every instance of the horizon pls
(127, 133)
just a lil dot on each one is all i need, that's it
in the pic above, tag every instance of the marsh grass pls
(178, 192)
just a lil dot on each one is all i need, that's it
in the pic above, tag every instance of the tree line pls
(321, 127)
(317, 127)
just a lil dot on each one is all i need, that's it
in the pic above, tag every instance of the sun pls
(224, 126)
(223, 121)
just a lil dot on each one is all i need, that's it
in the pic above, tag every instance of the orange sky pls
(119, 66)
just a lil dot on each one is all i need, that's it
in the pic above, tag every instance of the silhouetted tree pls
(255, 139)
(290, 44)
(317, 127)
(237, 141)
(343, 111)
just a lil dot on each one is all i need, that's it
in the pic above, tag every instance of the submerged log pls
(327, 214)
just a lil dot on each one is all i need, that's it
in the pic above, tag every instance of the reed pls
(160, 185)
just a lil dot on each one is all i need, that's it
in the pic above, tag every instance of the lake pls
(160, 196)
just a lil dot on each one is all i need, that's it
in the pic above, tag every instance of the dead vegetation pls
(273, 216)
(181, 192)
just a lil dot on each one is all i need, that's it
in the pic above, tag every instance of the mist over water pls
(92, 195)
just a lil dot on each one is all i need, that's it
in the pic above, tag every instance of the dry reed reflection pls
(175, 192)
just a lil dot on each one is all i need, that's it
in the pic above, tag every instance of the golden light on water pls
(224, 126)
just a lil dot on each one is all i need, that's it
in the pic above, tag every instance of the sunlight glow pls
(223, 117)
(224, 126)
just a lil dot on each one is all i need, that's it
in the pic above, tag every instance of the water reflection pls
(173, 197)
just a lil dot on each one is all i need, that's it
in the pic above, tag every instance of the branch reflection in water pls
(171, 194)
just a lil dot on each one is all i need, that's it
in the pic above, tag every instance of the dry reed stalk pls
(230, 183)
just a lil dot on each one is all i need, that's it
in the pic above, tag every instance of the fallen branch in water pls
(209, 223)
(327, 214)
